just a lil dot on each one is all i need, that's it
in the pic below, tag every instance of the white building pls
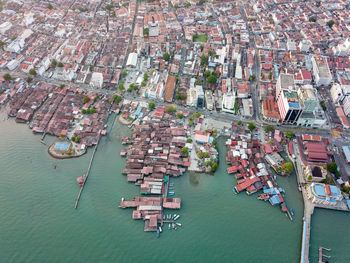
(132, 60)
(346, 106)
(228, 103)
(304, 45)
(342, 49)
(321, 72)
(339, 92)
(5, 26)
(96, 80)
(247, 107)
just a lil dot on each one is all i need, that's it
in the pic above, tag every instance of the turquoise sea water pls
(39, 223)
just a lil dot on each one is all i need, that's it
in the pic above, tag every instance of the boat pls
(81, 180)
(158, 234)
(173, 225)
(292, 211)
(163, 217)
(169, 226)
(123, 199)
(171, 193)
(160, 229)
(179, 224)
(177, 217)
(173, 217)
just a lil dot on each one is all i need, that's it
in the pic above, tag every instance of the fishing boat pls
(179, 224)
(160, 229)
(123, 199)
(177, 217)
(158, 234)
(173, 225)
(292, 211)
(169, 226)
(173, 217)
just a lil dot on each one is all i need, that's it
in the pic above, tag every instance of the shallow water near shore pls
(39, 223)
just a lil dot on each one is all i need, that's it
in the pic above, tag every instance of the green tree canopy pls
(332, 167)
(151, 105)
(287, 167)
(212, 79)
(290, 135)
(7, 76)
(166, 56)
(32, 71)
(269, 128)
(251, 126)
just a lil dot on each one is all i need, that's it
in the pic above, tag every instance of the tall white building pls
(342, 49)
(346, 106)
(320, 70)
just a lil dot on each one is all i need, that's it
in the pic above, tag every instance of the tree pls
(29, 79)
(189, 140)
(290, 135)
(143, 83)
(201, 47)
(287, 167)
(32, 72)
(270, 76)
(170, 109)
(212, 79)
(151, 105)
(121, 87)
(146, 32)
(309, 177)
(330, 23)
(49, 6)
(7, 76)
(204, 61)
(91, 68)
(179, 115)
(60, 64)
(239, 122)
(323, 105)
(166, 56)
(53, 63)
(269, 128)
(187, 4)
(145, 77)
(207, 73)
(61, 86)
(83, 111)
(129, 89)
(252, 77)
(117, 98)
(312, 19)
(213, 168)
(86, 99)
(251, 126)
(124, 73)
(180, 96)
(332, 167)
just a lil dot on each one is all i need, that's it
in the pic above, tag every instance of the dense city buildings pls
(272, 75)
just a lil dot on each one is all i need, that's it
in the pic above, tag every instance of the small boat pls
(123, 199)
(81, 180)
(163, 217)
(169, 216)
(179, 224)
(292, 211)
(160, 229)
(173, 225)
(173, 216)
(158, 234)
(169, 226)
(171, 193)
(177, 217)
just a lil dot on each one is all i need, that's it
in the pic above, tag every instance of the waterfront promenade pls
(309, 209)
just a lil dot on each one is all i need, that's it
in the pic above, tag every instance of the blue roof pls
(294, 105)
(346, 150)
(274, 200)
(319, 190)
(62, 146)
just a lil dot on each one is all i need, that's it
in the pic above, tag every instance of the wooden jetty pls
(86, 175)
(321, 255)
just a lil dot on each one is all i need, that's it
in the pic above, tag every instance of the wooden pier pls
(321, 255)
(86, 175)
